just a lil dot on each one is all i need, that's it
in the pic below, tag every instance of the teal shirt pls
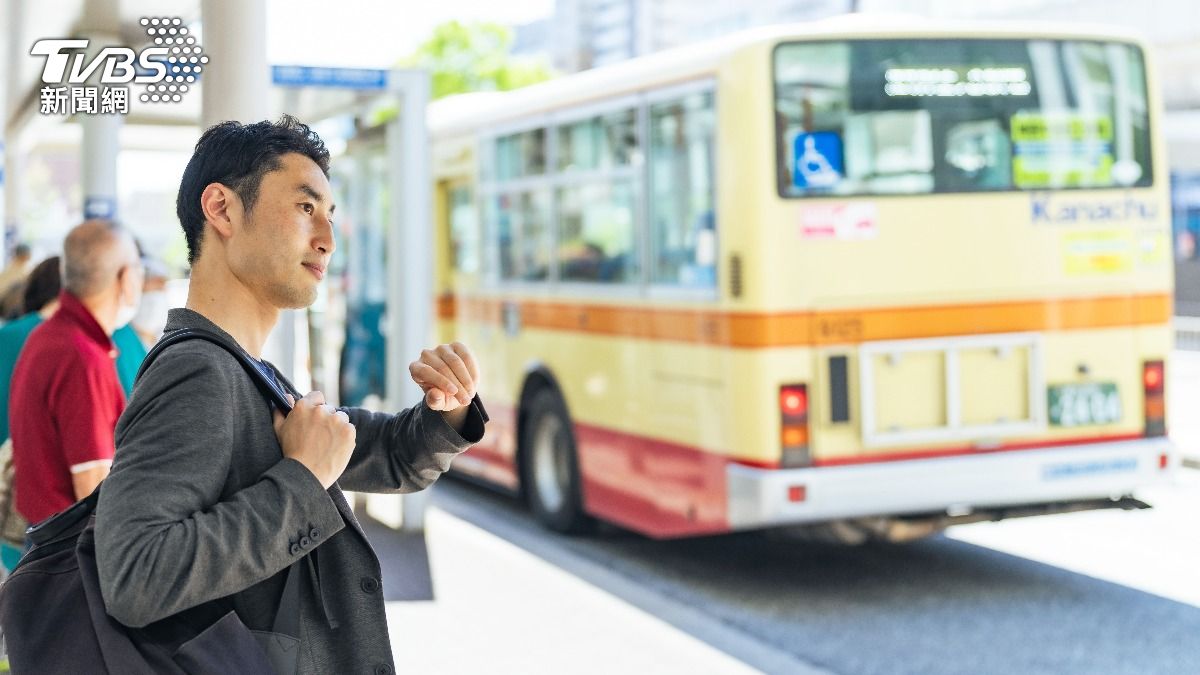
(12, 337)
(130, 354)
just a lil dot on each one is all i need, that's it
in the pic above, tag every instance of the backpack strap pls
(269, 388)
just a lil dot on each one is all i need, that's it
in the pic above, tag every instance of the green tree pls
(474, 57)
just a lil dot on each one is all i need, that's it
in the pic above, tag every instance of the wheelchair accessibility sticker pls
(818, 160)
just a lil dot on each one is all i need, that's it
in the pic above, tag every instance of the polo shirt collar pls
(71, 309)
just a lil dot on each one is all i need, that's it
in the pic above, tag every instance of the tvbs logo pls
(168, 67)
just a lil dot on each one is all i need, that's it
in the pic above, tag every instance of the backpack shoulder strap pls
(269, 389)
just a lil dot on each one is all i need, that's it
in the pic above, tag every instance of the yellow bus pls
(884, 275)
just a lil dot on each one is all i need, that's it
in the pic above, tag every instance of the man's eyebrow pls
(312, 193)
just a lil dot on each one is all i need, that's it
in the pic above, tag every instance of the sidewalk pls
(498, 609)
(1183, 404)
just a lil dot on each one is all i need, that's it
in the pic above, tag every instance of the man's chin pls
(293, 298)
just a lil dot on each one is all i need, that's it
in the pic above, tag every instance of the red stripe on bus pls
(656, 487)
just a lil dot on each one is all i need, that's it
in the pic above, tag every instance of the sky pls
(373, 34)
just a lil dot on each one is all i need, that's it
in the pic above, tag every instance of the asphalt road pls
(937, 606)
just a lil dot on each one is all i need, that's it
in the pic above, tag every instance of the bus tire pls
(550, 465)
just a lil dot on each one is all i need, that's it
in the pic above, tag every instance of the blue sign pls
(343, 78)
(99, 207)
(818, 160)
(1089, 468)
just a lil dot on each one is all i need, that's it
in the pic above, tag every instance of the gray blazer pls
(201, 505)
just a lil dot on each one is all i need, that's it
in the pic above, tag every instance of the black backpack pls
(53, 618)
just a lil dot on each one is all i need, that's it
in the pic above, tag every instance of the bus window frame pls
(1152, 116)
(553, 180)
(669, 292)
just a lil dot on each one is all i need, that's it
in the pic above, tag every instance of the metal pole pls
(410, 256)
(101, 133)
(15, 18)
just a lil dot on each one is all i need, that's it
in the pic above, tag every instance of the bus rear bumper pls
(961, 484)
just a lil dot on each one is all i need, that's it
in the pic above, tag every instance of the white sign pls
(854, 220)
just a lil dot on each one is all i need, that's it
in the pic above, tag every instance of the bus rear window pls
(925, 116)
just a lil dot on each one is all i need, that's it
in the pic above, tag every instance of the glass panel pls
(920, 116)
(464, 230)
(522, 154)
(362, 365)
(596, 233)
(682, 222)
(598, 143)
(524, 238)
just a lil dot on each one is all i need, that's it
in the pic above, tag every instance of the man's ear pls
(221, 207)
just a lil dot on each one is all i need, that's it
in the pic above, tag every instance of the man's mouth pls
(317, 270)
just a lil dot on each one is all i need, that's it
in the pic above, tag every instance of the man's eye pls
(308, 208)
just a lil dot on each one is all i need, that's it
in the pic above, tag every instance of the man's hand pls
(448, 376)
(316, 435)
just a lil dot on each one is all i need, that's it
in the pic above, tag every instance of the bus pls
(873, 276)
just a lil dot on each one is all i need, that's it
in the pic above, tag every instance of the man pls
(214, 495)
(65, 396)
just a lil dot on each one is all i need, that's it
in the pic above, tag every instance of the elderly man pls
(65, 396)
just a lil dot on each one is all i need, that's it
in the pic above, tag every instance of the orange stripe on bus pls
(762, 330)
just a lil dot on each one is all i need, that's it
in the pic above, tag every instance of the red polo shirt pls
(63, 408)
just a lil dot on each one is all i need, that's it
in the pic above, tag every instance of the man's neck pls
(224, 300)
(103, 309)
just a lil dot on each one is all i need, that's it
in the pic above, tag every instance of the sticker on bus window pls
(1062, 150)
(854, 220)
(817, 160)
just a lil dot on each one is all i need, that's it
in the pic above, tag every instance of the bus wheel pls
(550, 466)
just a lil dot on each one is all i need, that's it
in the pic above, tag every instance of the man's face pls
(281, 249)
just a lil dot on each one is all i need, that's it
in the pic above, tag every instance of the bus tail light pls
(1154, 386)
(793, 418)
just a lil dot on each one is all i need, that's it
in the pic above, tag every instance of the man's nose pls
(326, 242)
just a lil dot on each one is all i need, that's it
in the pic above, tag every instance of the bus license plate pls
(1076, 405)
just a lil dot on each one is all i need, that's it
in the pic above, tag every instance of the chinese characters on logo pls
(85, 100)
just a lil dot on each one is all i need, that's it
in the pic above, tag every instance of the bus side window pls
(517, 217)
(596, 199)
(683, 227)
(464, 230)
(523, 235)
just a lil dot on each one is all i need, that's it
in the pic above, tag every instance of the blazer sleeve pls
(406, 451)
(167, 539)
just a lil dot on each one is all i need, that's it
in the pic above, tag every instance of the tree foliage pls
(474, 57)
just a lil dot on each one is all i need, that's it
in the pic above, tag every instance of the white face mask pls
(151, 314)
(125, 314)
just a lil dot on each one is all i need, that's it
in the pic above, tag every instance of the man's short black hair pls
(239, 155)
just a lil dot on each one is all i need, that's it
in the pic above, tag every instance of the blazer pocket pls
(282, 650)
(227, 647)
